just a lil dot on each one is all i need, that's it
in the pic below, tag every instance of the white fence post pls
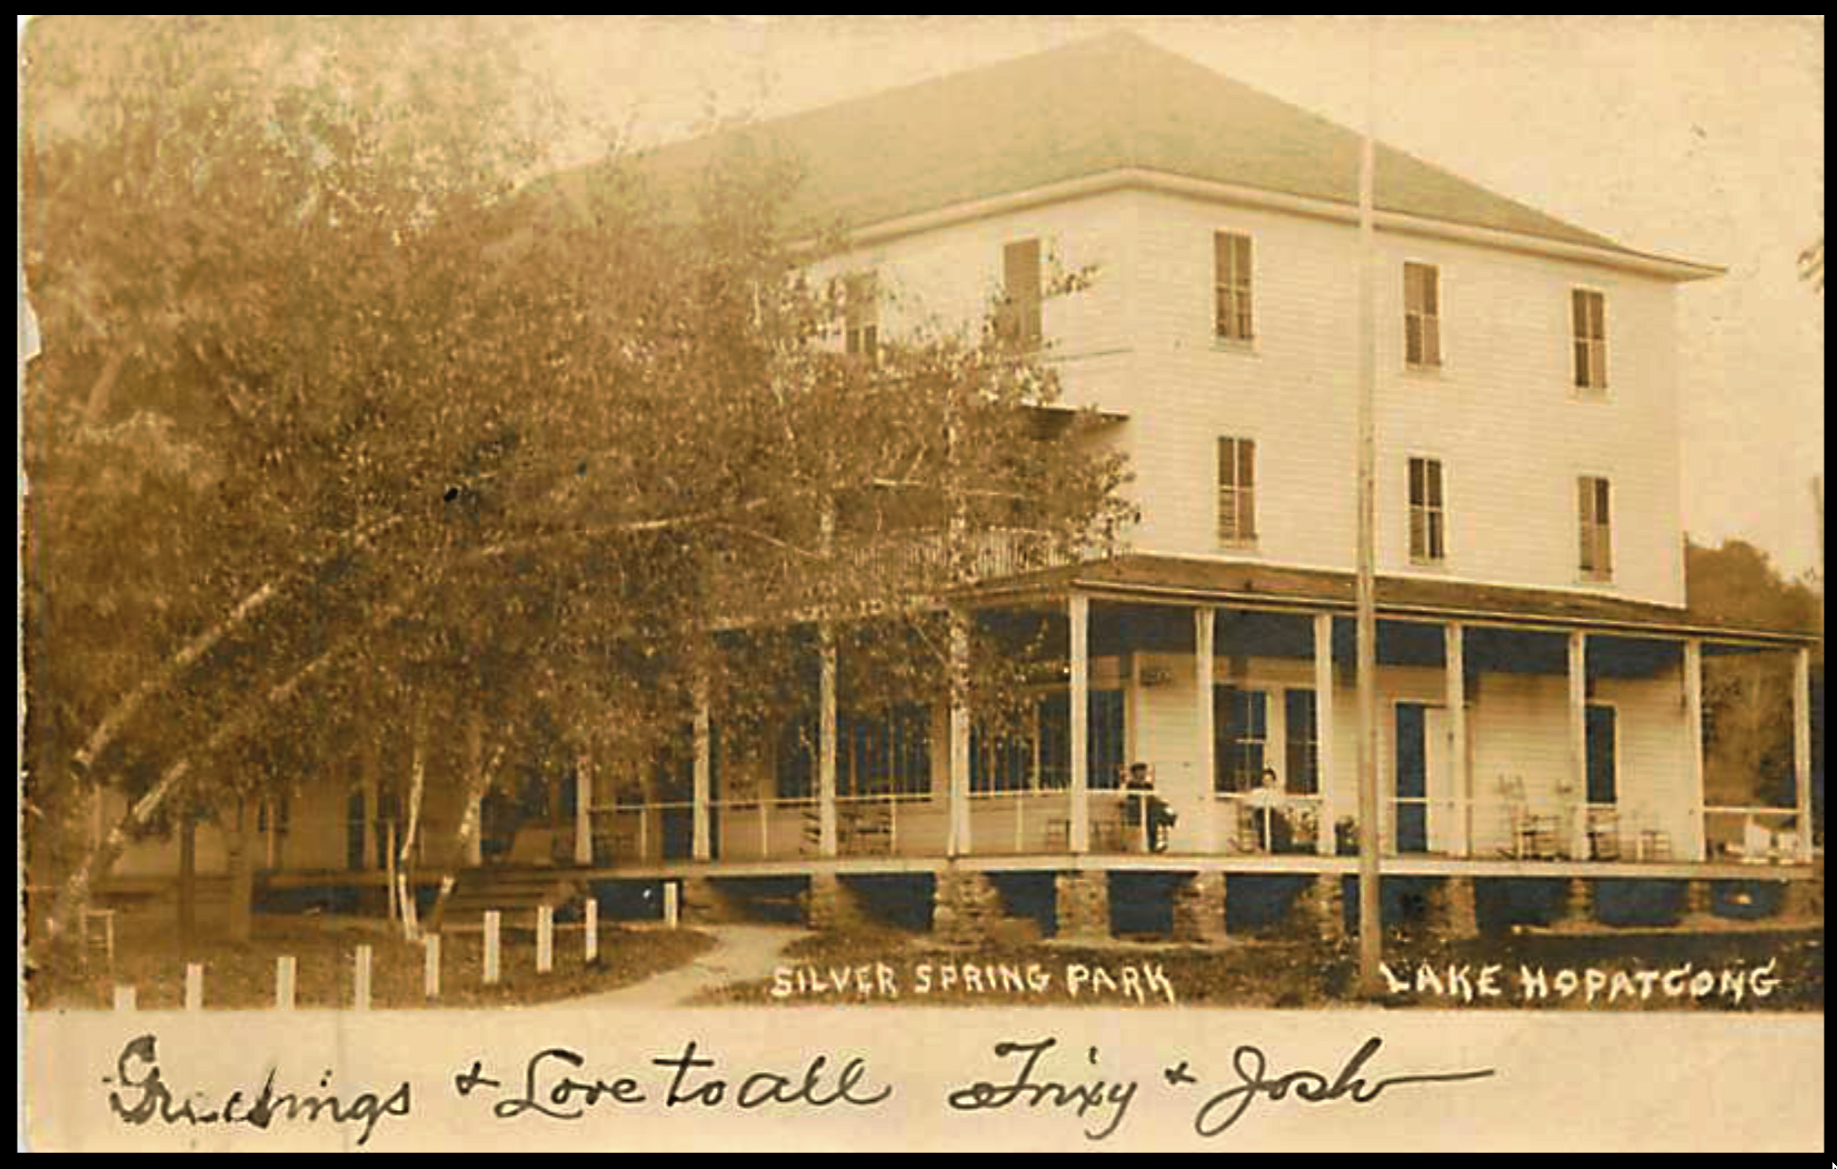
(545, 939)
(491, 947)
(124, 998)
(284, 976)
(194, 986)
(360, 980)
(592, 937)
(672, 908)
(430, 966)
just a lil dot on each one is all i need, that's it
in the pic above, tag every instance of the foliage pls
(334, 424)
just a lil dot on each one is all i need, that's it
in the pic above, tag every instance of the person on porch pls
(1269, 813)
(1144, 809)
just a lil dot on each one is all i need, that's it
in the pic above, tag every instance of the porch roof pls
(1176, 579)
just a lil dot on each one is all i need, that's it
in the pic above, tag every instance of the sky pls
(1700, 138)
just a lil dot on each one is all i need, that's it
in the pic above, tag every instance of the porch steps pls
(515, 892)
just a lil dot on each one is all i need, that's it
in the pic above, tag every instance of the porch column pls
(826, 748)
(1455, 658)
(1328, 842)
(1693, 746)
(583, 809)
(701, 779)
(1578, 741)
(1079, 610)
(959, 794)
(1801, 747)
(1205, 628)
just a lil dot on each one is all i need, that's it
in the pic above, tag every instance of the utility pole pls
(1370, 917)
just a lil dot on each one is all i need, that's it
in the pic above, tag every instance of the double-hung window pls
(1595, 528)
(1237, 491)
(1422, 315)
(1428, 513)
(861, 329)
(1232, 286)
(1019, 320)
(1589, 318)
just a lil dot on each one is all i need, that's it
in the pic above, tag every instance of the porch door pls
(1603, 765)
(1423, 775)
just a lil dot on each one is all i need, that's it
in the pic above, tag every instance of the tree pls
(390, 447)
(1747, 698)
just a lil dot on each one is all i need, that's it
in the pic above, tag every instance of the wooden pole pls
(1370, 913)
(430, 966)
(591, 938)
(545, 939)
(125, 998)
(194, 986)
(360, 979)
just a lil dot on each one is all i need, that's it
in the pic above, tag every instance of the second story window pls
(1428, 514)
(1589, 312)
(1019, 322)
(861, 326)
(1422, 315)
(1597, 536)
(1231, 280)
(1237, 491)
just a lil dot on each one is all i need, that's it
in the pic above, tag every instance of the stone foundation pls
(1699, 899)
(1320, 908)
(1578, 903)
(1083, 908)
(704, 901)
(967, 909)
(1453, 912)
(830, 904)
(1199, 908)
(1803, 901)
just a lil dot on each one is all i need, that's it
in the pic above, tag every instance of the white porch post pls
(583, 809)
(958, 817)
(1205, 629)
(1578, 740)
(702, 777)
(826, 748)
(1801, 747)
(1693, 746)
(1327, 842)
(1454, 656)
(1079, 610)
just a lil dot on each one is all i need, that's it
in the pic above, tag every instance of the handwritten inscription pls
(559, 1084)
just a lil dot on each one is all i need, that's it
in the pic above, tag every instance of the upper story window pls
(861, 308)
(1237, 491)
(1422, 315)
(1019, 321)
(1589, 313)
(1232, 284)
(1597, 536)
(1428, 513)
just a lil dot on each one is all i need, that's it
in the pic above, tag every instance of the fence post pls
(430, 966)
(360, 982)
(124, 998)
(284, 973)
(491, 947)
(672, 908)
(545, 939)
(592, 937)
(194, 986)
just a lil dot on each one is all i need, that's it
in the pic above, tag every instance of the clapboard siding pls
(1501, 413)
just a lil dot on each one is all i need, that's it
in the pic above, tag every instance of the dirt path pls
(741, 953)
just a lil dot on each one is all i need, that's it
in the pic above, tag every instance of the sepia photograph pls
(856, 559)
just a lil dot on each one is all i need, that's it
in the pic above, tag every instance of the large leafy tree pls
(339, 437)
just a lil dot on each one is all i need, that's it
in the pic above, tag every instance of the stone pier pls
(831, 904)
(966, 908)
(1199, 908)
(1453, 911)
(1578, 903)
(1699, 899)
(1083, 905)
(1320, 908)
(704, 901)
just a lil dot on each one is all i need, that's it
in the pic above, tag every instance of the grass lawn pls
(241, 975)
(1287, 973)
